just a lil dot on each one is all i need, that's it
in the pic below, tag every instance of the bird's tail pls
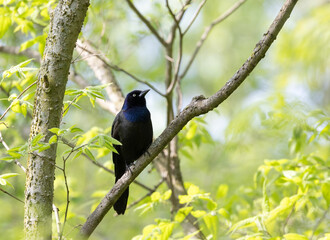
(120, 168)
(120, 205)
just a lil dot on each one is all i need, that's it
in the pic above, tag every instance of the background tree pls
(220, 158)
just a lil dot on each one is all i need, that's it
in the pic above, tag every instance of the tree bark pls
(66, 23)
(199, 105)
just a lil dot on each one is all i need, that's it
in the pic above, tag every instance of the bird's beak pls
(143, 93)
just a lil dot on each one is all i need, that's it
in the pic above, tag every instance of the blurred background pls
(272, 115)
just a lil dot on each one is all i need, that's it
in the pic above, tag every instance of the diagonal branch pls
(102, 72)
(146, 22)
(98, 63)
(199, 105)
(200, 6)
(207, 32)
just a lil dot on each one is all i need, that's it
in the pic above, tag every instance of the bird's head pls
(135, 98)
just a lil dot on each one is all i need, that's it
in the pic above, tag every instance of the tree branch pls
(207, 32)
(178, 62)
(147, 23)
(16, 51)
(102, 72)
(11, 195)
(18, 97)
(199, 105)
(90, 55)
(200, 6)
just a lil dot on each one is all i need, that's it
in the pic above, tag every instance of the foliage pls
(263, 174)
(284, 190)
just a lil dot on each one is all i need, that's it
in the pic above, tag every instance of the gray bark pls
(66, 23)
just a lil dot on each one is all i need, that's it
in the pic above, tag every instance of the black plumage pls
(133, 128)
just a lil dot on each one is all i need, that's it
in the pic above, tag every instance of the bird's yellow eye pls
(134, 95)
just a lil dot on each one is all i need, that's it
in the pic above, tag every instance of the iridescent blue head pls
(135, 108)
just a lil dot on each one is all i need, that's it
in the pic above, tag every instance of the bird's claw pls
(128, 167)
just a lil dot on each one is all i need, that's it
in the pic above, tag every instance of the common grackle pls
(133, 128)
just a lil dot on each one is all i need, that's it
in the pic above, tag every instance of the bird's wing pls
(115, 127)
(115, 133)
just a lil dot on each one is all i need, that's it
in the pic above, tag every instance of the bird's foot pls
(148, 153)
(128, 166)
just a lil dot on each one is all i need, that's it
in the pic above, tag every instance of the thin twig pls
(9, 194)
(67, 189)
(207, 32)
(7, 148)
(288, 218)
(319, 222)
(73, 100)
(200, 6)
(19, 96)
(178, 62)
(148, 194)
(119, 69)
(147, 23)
(66, 142)
(57, 220)
(179, 97)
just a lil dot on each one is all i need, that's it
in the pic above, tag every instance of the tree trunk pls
(66, 23)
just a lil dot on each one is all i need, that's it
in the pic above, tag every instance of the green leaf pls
(3, 182)
(72, 92)
(198, 213)
(182, 214)
(15, 106)
(14, 154)
(211, 222)
(294, 236)
(222, 191)
(242, 224)
(56, 131)
(75, 129)
(166, 229)
(112, 140)
(326, 192)
(167, 195)
(77, 155)
(223, 212)
(36, 139)
(191, 132)
(211, 205)
(43, 147)
(88, 153)
(8, 175)
(24, 109)
(53, 139)
(155, 196)
(193, 190)
(265, 202)
(5, 23)
(183, 199)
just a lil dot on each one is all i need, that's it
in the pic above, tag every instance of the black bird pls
(133, 128)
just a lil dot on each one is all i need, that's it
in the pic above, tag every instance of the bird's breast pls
(137, 114)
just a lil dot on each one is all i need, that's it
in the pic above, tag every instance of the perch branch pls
(199, 105)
